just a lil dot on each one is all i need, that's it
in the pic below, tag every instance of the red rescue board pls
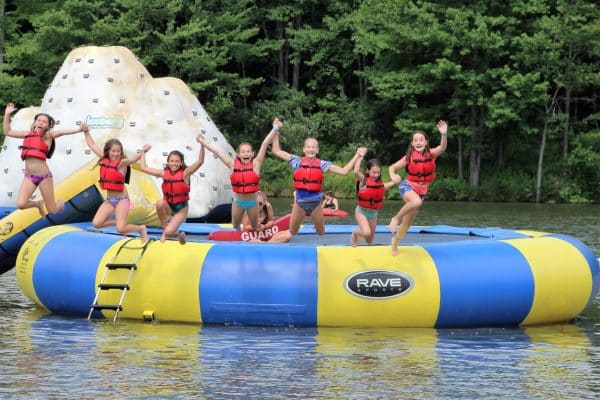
(328, 212)
(280, 224)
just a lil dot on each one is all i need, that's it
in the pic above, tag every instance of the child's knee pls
(121, 228)
(416, 203)
(161, 204)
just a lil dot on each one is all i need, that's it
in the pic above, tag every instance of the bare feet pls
(354, 239)
(163, 238)
(394, 246)
(393, 224)
(181, 237)
(144, 234)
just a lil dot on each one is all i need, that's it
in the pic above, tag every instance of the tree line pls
(516, 80)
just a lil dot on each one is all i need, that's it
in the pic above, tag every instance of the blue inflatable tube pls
(499, 278)
(16, 228)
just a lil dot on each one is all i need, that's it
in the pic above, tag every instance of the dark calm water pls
(47, 356)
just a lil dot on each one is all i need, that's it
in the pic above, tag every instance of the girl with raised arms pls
(245, 177)
(308, 181)
(370, 192)
(114, 174)
(419, 162)
(37, 147)
(175, 188)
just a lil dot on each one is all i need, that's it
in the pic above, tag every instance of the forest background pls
(517, 80)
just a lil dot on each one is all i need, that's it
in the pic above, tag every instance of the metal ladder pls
(114, 264)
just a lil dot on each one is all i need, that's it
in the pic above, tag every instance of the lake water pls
(48, 356)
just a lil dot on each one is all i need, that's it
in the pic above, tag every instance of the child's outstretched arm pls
(262, 151)
(145, 168)
(360, 152)
(357, 172)
(125, 162)
(443, 129)
(401, 163)
(390, 184)
(92, 144)
(225, 158)
(198, 163)
(10, 108)
(284, 155)
(62, 132)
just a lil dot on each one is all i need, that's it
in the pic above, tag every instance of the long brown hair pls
(181, 157)
(50, 120)
(106, 150)
(373, 162)
(50, 126)
(410, 147)
(110, 143)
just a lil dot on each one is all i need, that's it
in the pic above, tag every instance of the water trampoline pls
(443, 277)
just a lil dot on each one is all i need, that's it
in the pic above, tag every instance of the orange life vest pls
(34, 146)
(421, 167)
(175, 189)
(243, 178)
(309, 175)
(371, 196)
(110, 177)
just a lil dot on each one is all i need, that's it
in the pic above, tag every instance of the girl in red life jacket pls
(38, 145)
(308, 181)
(176, 189)
(419, 162)
(370, 191)
(114, 174)
(245, 178)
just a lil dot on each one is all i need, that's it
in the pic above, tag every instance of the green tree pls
(552, 53)
(512, 78)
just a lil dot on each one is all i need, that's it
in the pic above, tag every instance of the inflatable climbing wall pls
(110, 90)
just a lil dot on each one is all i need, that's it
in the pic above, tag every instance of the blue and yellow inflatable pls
(491, 277)
(82, 195)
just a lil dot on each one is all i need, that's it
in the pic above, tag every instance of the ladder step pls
(114, 307)
(107, 286)
(141, 247)
(121, 266)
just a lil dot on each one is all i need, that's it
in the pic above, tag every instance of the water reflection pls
(49, 355)
(559, 362)
(386, 361)
(258, 362)
(529, 362)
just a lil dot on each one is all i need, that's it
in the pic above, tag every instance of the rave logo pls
(378, 284)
